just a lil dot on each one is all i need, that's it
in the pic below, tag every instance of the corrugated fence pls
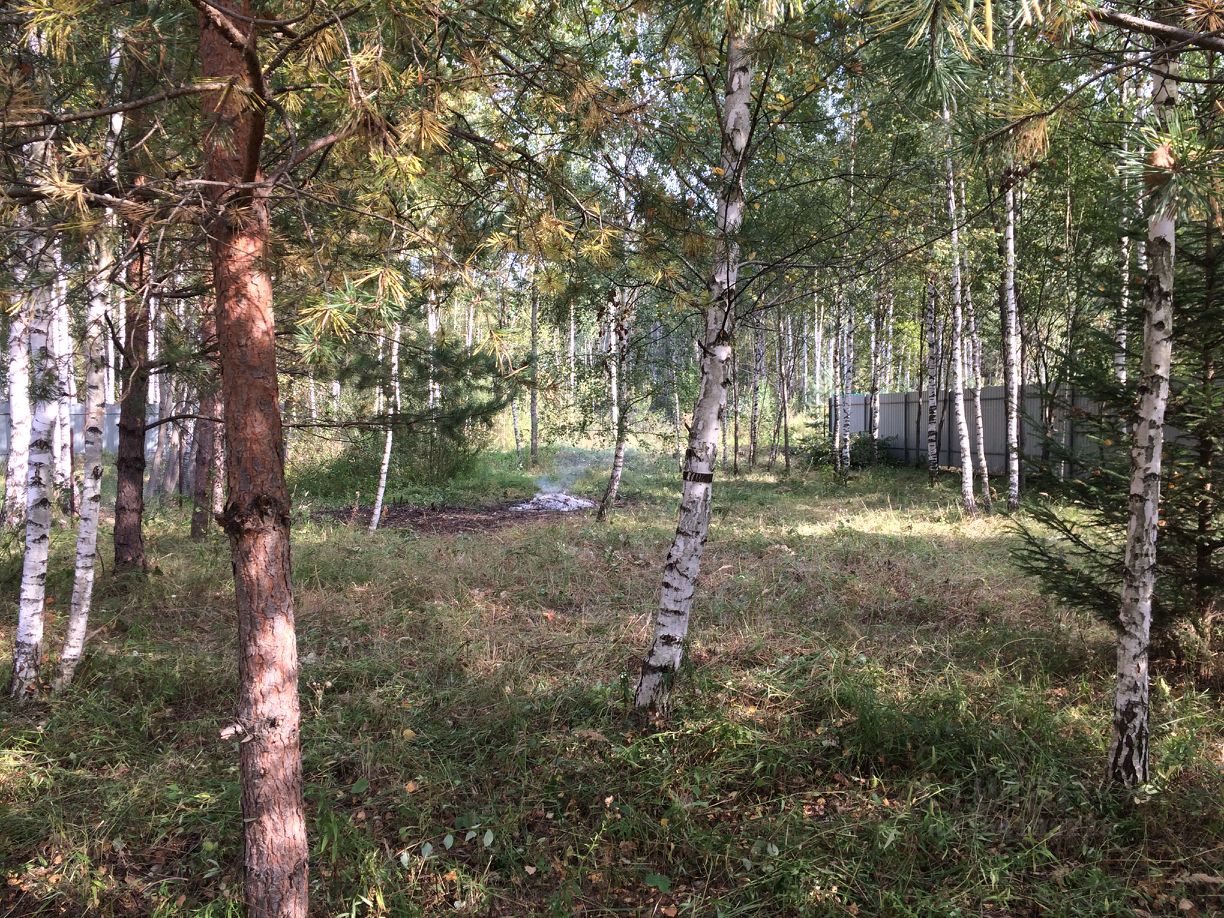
(903, 425)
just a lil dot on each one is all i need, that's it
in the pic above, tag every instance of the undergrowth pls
(879, 716)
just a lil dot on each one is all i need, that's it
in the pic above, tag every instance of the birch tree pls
(17, 468)
(932, 379)
(968, 502)
(385, 466)
(91, 485)
(1128, 752)
(683, 562)
(44, 396)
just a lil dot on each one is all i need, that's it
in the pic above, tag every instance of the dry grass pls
(880, 716)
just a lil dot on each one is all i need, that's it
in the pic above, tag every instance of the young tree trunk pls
(847, 386)
(783, 399)
(514, 426)
(572, 354)
(207, 435)
(17, 473)
(256, 516)
(618, 466)
(754, 411)
(873, 395)
(433, 325)
(620, 330)
(932, 379)
(91, 487)
(1011, 316)
(968, 502)
(735, 413)
(974, 363)
(684, 557)
(535, 379)
(1128, 753)
(385, 467)
(61, 348)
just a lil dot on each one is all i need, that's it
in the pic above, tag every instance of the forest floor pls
(880, 716)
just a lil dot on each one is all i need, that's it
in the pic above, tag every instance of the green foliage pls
(1075, 541)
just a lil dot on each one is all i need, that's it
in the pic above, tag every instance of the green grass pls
(879, 717)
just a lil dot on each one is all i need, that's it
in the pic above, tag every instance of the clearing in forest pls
(879, 715)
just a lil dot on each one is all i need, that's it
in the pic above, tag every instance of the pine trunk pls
(133, 407)
(256, 516)
(1128, 753)
(684, 556)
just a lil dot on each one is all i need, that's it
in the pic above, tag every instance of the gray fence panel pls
(903, 425)
(110, 430)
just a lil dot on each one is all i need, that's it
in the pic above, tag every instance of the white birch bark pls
(1124, 253)
(1011, 316)
(385, 466)
(61, 351)
(534, 394)
(932, 379)
(91, 485)
(974, 368)
(847, 386)
(754, 413)
(44, 395)
(19, 412)
(684, 556)
(1128, 752)
(968, 502)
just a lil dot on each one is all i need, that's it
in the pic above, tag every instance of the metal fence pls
(903, 425)
(110, 429)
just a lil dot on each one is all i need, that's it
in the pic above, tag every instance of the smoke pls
(568, 466)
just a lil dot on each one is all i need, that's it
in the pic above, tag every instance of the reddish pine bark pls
(256, 515)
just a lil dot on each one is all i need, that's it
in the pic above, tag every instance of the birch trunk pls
(754, 412)
(975, 381)
(968, 502)
(256, 517)
(847, 386)
(1128, 753)
(1124, 254)
(535, 379)
(932, 380)
(873, 395)
(61, 348)
(621, 357)
(1011, 315)
(19, 414)
(31, 267)
(385, 467)
(784, 399)
(91, 485)
(684, 557)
